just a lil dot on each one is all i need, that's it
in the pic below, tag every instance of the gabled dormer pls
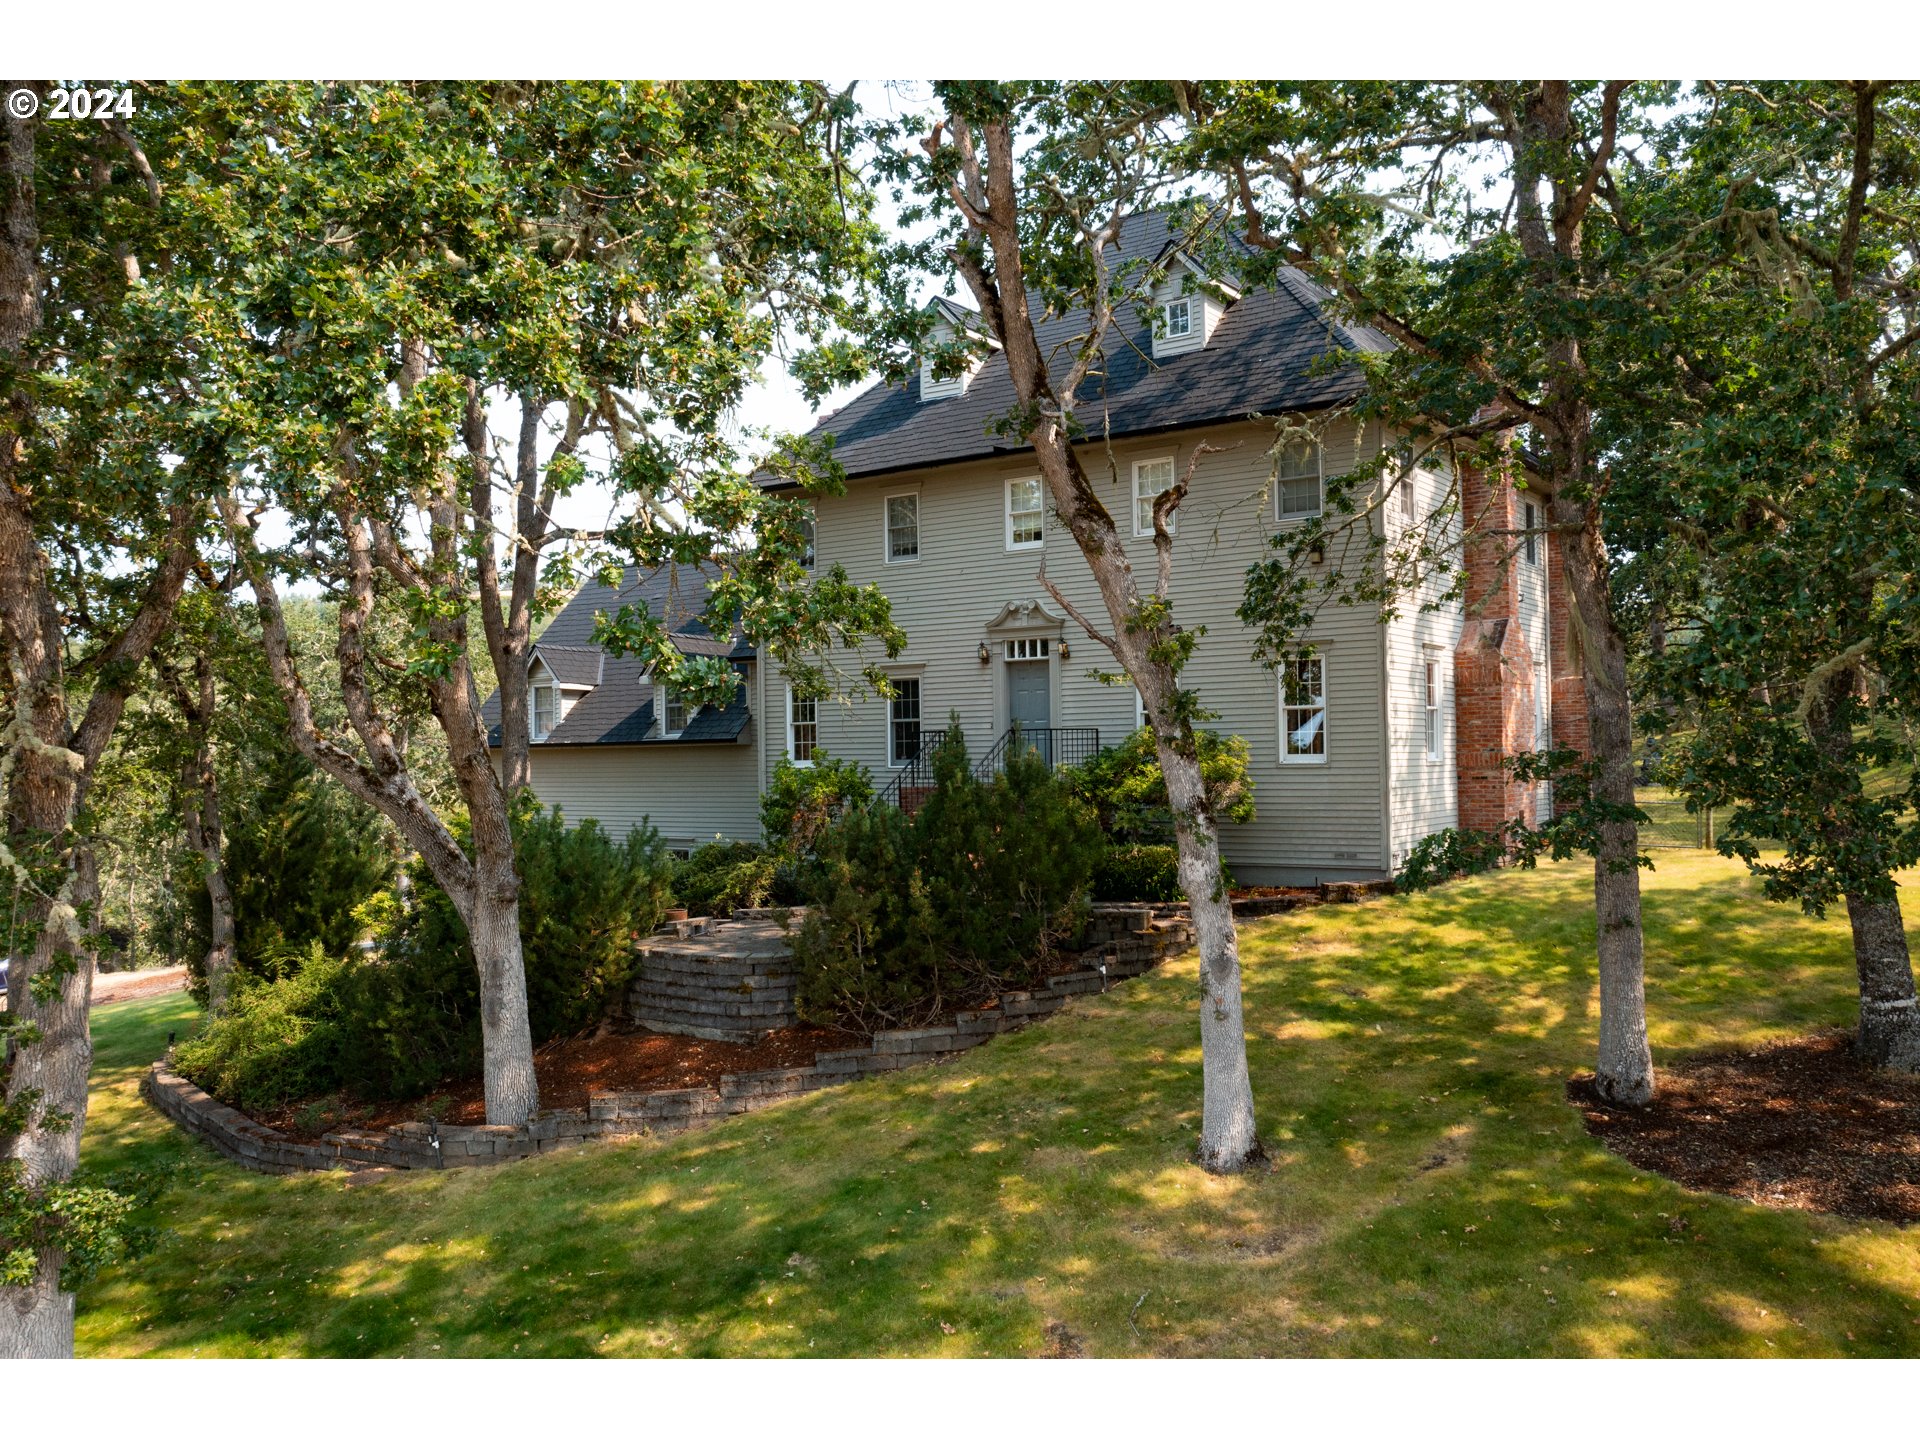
(558, 678)
(953, 325)
(1187, 304)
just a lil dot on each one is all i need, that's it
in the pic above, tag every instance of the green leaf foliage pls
(976, 892)
(396, 1022)
(800, 801)
(1128, 793)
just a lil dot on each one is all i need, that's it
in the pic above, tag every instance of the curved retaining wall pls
(1134, 940)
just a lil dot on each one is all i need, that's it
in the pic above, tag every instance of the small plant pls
(910, 917)
(724, 876)
(1128, 794)
(1138, 872)
(801, 801)
(1448, 855)
(314, 1119)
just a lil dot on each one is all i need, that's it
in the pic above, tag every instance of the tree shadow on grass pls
(1408, 1059)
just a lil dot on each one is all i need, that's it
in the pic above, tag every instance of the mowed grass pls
(1432, 1193)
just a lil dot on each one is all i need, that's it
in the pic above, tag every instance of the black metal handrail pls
(917, 772)
(1060, 746)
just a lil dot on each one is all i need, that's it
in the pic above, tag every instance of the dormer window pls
(545, 709)
(954, 325)
(675, 714)
(1187, 304)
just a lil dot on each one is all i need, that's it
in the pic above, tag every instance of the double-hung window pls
(1297, 487)
(545, 710)
(1026, 519)
(903, 721)
(1431, 707)
(674, 713)
(806, 528)
(1303, 710)
(903, 528)
(1179, 315)
(803, 727)
(1151, 479)
(1529, 540)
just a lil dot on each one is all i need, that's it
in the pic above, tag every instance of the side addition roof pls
(619, 709)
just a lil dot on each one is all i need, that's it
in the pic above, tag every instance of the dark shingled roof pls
(573, 664)
(619, 710)
(1270, 353)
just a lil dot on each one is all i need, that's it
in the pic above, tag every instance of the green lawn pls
(1432, 1192)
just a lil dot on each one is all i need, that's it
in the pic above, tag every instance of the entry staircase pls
(1060, 746)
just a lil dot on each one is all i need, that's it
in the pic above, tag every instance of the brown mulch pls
(567, 1069)
(1800, 1125)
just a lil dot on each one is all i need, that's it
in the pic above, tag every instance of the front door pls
(1028, 705)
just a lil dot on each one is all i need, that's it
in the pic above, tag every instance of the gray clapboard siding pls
(691, 793)
(1423, 792)
(1324, 819)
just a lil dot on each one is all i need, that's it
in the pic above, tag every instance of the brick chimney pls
(1493, 666)
(1569, 671)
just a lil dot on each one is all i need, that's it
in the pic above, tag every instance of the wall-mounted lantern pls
(984, 653)
(1065, 653)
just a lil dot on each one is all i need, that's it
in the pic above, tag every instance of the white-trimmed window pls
(1303, 710)
(674, 713)
(1529, 522)
(1408, 482)
(806, 529)
(903, 720)
(1151, 479)
(1031, 647)
(1139, 708)
(1297, 481)
(1026, 517)
(546, 709)
(803, 727)
(903, 527)
(1430, 705)
(1179, 318)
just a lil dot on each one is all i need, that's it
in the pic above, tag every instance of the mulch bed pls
(568, 1068)
(1799, 1125)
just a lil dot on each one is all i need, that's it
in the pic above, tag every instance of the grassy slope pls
(1432, 1194)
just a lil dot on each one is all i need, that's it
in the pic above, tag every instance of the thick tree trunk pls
(483, 887)
(205, 834)
(493, 926)
(37, 1320)
(1624, 1069)
(1889, 1028)
(1228, 1137)
(202, 816)
(1143, 634)
(1889, 1032)
(1548, 153)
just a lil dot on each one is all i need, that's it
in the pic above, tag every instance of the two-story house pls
(1385, 733)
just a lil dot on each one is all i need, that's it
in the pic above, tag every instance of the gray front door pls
(1027, 703)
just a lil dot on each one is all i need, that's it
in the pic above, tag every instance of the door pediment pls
(1025, 617)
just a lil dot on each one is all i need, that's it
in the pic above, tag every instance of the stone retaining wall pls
(1129, 940)
(716, 979)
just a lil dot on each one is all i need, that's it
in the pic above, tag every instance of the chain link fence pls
(1671, 826)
